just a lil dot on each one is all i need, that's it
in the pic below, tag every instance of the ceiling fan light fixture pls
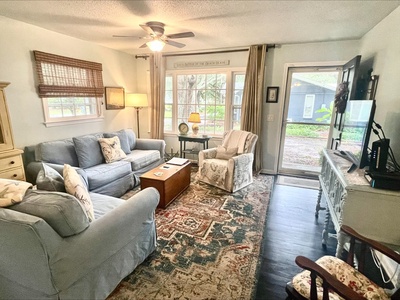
(156, 45)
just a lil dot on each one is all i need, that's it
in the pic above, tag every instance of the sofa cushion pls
(123, 138)
(111, 149)
(102, 204)
(12, 191)
(105, 173)
(49, 179)
(88, 150)
(142, 158)
(63, 212)
(74, 186)
(57, 152)
(131, 138)
(226, 153)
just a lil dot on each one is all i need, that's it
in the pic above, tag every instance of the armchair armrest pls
(151, 144)
(329, 282)
(206, 154)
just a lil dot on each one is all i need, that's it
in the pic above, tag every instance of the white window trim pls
(228, 104)
(52, 122)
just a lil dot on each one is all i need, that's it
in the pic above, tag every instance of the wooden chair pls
(330, 275)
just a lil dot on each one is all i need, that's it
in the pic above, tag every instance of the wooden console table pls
(352, 201)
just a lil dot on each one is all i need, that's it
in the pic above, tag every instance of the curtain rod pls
(145, 56)
(269, 46)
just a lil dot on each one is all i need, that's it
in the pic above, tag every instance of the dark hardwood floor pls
(291, 229)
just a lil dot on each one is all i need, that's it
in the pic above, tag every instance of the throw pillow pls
(75, 187)
(12, 191)
(63, 212)
(88, 150)
(123, 138)
(226, 153)
(111, 148)
(49, 179)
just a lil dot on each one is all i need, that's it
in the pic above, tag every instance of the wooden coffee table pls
(169, 180)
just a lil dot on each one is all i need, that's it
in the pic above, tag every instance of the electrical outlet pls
(270, 118)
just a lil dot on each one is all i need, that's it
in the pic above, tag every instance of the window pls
(308, 110)
(215, 94)
(71, 89)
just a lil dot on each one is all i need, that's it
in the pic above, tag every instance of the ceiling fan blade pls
(175, 44)
(127, 36)
(148, 29)
(180, 35)
(143, 46)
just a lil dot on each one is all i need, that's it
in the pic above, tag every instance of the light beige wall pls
(381, 46)
(277, 61)
(17, 67)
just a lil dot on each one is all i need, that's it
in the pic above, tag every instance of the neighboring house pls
(306, 98)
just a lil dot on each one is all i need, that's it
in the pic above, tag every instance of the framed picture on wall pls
(115, 97)
(272, 94)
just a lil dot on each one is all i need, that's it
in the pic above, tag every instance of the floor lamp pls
(138, 101)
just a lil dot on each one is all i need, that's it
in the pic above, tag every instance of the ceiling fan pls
(157, 37)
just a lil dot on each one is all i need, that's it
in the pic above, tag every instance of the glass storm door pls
(308, 109)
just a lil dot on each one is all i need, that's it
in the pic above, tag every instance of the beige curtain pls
(253, 94)
(157, 75)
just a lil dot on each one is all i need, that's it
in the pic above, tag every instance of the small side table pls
(194, 139)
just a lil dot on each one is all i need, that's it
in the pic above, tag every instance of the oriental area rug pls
(209, 244)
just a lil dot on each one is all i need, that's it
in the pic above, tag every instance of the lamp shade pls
(156, 45)
(194, 118)
(136, 100)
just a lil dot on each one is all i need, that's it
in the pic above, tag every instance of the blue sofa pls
(84, 153)
(49, 249)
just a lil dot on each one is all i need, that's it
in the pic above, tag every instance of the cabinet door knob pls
(15, 175)
(12, 162)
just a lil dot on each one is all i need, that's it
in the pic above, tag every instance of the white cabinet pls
(374, 213)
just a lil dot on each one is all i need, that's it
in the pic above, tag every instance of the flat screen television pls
(356, 131)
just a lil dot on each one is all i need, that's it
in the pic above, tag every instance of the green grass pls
(312, 131)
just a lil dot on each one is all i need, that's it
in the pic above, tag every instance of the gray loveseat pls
(84, 153)
(49, 250)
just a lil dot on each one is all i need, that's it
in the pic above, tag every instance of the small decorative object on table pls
(183, 128)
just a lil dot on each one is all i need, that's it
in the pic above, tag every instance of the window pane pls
(168, 83)
(237, 97)
(239, 81)
(168, 97)
(204, 93)
(72, 107)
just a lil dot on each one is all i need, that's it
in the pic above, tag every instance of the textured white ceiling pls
(216, 24)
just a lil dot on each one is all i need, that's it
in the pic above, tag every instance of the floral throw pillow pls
(12, 191)
(75, 187)
(111, 148)
(226, 153)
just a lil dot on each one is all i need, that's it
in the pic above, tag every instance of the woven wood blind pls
(61, 76)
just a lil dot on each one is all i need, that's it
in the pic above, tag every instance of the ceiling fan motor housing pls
(157, 27)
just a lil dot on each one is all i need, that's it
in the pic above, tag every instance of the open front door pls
(307, 125)
(350, 75)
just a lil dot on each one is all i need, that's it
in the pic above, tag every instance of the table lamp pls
(138, 101)
(194, 118)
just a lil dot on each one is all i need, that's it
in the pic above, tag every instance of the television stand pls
(350, 200)
(350, 157)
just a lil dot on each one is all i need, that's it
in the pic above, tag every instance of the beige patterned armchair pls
(229, 166)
